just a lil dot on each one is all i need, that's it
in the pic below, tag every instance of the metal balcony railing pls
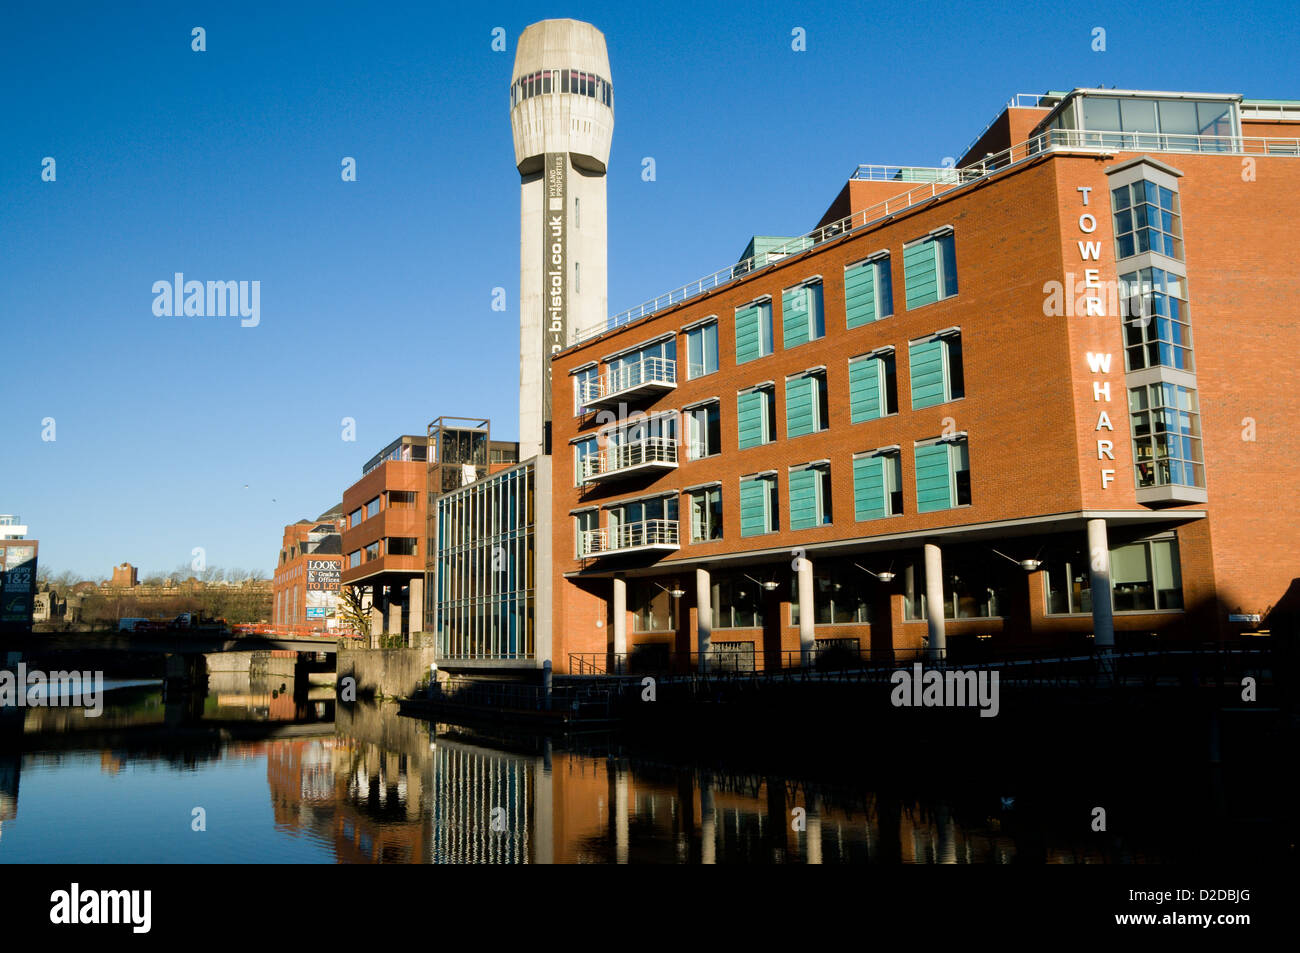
(652, 452)
(944, 181)
(630, 537)
(651, 373)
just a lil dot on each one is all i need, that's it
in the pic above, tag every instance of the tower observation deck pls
(562, 118)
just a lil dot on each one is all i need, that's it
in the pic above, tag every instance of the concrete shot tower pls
(562, 117)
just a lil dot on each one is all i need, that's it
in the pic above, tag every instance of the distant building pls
(125, 576)
(17, 574)
(305, 588)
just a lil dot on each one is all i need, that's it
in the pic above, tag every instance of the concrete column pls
(394, 615)
(703, 616)
(621, 829)
(813, 832)
(376, 615)
(416, 613)
(1103, 619)
(620, 622)
(708, 822)
(807, 618)
(934, 607)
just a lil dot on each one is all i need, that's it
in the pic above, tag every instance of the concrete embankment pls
(388, 673)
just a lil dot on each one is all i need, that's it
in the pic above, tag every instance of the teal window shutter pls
(749, 336)
(794, 316)
(919, 274)
(933, 478)
(860, 294)
(753, 507)
(927, 374)
(800, 406)
(750, 412)
(869, 498)
(804, 512)
(864, 390)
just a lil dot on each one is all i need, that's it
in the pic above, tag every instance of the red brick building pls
(997, 388)
(305, 586)
(384, 526)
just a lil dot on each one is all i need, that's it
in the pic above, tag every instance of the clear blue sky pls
(375, 295)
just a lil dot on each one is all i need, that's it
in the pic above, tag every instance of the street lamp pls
(1028, 565)
(675, 592)
(886, 576)
(770, 585)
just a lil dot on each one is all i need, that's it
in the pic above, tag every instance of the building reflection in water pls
(448, 796)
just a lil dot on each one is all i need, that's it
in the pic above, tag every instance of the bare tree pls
(352, 610)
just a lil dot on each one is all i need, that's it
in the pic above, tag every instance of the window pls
(868, 292)
(704, 431)
(354, 559)
(930, 269)
(753, 331)
(1147, 219)
(873, 386)
(810, 496)
(354, 518)
(643, 522)
(702, 350)
(584, 524)
(756, 416)
(736, 601)
(803, 318)
(656, 361)
(585, 383)
(706, 514)
(877, 485)
(806, 405)
(938, 372)
(942, 474)
(840, 593)
(759, 508)
(653, 607)
(1156, 332)
(401, 499)
(372, 551)
(372, 508)
(400, 546)
(1145, 576)
(577, 278)
(1166, 435)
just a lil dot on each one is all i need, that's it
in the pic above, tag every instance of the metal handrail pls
(631, 536)
(625, 456)
(1029, 665)
(1030, 149)
(649, 370)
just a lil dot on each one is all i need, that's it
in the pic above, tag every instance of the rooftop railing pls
(1047, 142)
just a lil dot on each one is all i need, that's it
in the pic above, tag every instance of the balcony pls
(651, 454)
(646, 536)
(651, 375)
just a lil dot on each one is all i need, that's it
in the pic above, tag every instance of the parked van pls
(128, 625)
